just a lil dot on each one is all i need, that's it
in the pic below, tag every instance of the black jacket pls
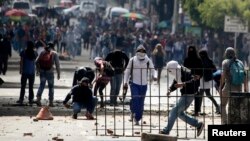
(82, 94)
(119, 60)
(187, 77)
(83, 72)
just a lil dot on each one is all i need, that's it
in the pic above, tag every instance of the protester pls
(226, 78)
(45, 68)
(119, 60)
(5, 53)
(194, 63)
(206, 81)
(158, 59)
(186, 81)
(82, 97)
(136, 74)
(27, 71)
(102, 79)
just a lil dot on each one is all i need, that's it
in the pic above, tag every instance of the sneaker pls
(19, 102)
(218, 110)
(74, 116)
(31, 102)
(136, 122)
(131, 117)
(164, 132)
(89, 116)
(200, 128)
(195, 114)
(113, 104)
(51, 104)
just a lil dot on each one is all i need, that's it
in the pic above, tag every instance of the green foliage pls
(211, 13)
(191, 7)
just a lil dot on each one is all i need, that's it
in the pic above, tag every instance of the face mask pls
(176, 73)
(140, 55)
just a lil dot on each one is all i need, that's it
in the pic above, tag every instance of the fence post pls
(238, 108)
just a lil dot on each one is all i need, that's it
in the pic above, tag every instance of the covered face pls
(174, 69)
(141, 52)
(97, 61)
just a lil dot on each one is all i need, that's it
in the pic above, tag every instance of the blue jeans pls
(138, 93)
(77, 106)
(46, 76)
(179, 111)
(115, 82)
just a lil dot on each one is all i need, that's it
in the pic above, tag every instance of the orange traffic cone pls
(44, 114)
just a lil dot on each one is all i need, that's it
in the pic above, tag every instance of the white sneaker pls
(131, 117)
(136, 122)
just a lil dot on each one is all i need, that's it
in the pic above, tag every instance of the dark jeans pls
(115, 82)
(198, 100)
(31, 79)
(3, 64)
(99, 87)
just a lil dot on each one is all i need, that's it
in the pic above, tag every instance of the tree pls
(191, 7)
(213, 12)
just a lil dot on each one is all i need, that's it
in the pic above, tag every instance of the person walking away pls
(119, 60)
(227, 78)
(159, 58)
(136, 74)
(194, 63)
(45, 68)
(27, 71)
(186, 81)
(5, 52)
(102, 78)
(82, 97)
(206, 81)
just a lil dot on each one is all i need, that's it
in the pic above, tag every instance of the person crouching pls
(82, 97)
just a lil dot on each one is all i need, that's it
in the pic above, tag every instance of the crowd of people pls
(134, 53)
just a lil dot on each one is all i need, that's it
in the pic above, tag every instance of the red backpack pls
(46, 60)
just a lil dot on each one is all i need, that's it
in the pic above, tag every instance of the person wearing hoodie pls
(194, 63)
(186, 81)
(224, 90)
(206, 81)
(82, 97)
(136, 75)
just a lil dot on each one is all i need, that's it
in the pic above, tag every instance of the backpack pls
(46, 60)
(237, 72)
(109, 69)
